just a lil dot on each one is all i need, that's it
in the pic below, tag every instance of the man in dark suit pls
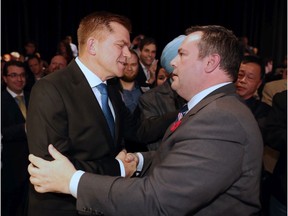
(161, 103)
(65, 109)
(276, 138)
(147, 63)
(209, 161)
(250, 78)
(14, 155)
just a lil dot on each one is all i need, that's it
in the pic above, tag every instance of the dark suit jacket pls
(64, 111)
(210, 165)
(14, 154)
(276, 138)
(260, 111)
(141, 78)
(160, 105)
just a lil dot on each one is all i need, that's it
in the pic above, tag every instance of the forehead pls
(150, 46)
(30, 45)
(14, 68)
(250, 67)
(133, 58)
(120, 33)
(162, 71)
(32, 60)
(58, 59)
(191, 40)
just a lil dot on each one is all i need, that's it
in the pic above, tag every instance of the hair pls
(68, 37)
(133, 52)
(69, 54)
(147, 41)
(31, 42)
(12, 63)
(219, 40)
(256, 60)
(97, 22)
(34, 57)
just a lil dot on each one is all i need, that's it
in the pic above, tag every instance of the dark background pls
(264, 22)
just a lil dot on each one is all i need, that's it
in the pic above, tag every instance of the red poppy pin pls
(175, 125)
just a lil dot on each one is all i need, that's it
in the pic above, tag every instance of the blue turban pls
(170, 51)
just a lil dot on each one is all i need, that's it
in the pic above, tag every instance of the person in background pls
(136, 42)
(127, 84)
(247, 48)
(30, 49)
(161, 76)
(130, 92)
(57, 62)
(4, 59)
(148, 64)
(14, 153)
(68, 108)
(202, 167)
(276, 138)
(161, 104)
(36, 71)
(72, 45)
(36, 66)
(64, 49)
(250, 77)
(273, 87)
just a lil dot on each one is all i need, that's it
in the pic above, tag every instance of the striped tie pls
(21, 104)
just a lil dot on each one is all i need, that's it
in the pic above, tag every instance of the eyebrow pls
(126, 43)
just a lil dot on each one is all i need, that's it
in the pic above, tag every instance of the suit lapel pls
(218, 93)
(84, 91)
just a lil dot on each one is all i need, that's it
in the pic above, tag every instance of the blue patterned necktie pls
(105, 107)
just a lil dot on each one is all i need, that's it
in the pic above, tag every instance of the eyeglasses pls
(14, 75)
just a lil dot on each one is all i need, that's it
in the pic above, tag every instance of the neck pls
(127, 85)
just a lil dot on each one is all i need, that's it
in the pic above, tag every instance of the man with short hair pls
(57, 62)
(69, 107)
(250, 77)
(14, 154)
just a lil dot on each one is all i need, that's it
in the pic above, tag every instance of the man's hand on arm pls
(51, 176)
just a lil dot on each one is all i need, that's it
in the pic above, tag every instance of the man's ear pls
(213, 62)
(91, 45)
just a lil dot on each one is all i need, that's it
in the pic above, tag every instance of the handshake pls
(55, 176)
(130, 162)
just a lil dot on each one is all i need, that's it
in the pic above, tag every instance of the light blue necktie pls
(105, 107)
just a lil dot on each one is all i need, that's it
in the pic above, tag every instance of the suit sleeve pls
(196, 170)
(153, 126)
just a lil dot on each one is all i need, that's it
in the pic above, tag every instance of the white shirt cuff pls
(140, 163)
(73, 186)
(122, 168)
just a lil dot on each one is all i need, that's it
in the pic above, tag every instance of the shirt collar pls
(198, 97)
(91, 77)
(13, 94)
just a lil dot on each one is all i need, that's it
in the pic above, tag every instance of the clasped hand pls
(130, 162)
(55, 176)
